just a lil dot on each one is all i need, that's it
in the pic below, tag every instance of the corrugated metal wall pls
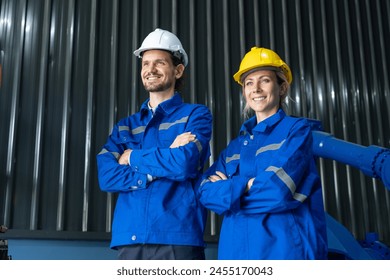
(68, 74)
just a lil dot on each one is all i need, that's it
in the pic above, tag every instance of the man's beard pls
(157, 87)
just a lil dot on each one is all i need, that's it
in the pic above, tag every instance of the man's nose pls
(150, 67)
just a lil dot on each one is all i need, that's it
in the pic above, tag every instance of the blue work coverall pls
(282, 215)
(163, 210)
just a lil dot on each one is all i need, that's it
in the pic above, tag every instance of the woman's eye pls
(264, 81)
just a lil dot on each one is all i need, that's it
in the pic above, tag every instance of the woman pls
(265, 183)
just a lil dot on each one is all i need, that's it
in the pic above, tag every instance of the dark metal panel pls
(107, 97)
(343, 102)
(15, 19)
(67, 54)
(328, 120)
(113, 91)
(380, 6)
(69, 74)
(88, 156)
(227, 70)
(192, 54)
(371, 191)
(210, 101)
(36, 183)
(353, 95)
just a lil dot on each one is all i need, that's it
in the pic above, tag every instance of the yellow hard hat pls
(262, 58)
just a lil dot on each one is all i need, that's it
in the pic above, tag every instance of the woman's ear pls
(283, 89)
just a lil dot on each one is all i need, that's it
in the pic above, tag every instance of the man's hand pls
(124, 158)
(217, 176)
(183, 139)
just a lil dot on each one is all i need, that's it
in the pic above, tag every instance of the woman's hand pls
(217, 176)
(124, 158)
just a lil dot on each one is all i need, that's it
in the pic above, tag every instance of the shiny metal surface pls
(68, 74)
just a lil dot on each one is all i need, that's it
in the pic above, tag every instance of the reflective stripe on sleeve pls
(233, 157)
(104, 151)
(286, 179)
(198, 145)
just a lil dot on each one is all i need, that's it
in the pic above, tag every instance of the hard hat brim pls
(183, 56)
(270, 68)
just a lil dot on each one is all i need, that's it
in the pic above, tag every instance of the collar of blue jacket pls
(251, 125)
(168, 106)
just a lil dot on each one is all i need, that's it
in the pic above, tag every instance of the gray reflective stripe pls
(270, 147)
(204, 181)
(287, 180)
(300, 197)
(104, 151)
(137, 130)
(283, 176)
(123, 127)
(200, 148)
(199, 145)
(165, 126)
(233, 157)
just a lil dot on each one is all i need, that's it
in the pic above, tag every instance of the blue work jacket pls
(163, 210)
(282, 215)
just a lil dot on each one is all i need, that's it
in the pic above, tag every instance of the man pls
(153, 158)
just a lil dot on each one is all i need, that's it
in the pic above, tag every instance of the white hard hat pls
(161, 39)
